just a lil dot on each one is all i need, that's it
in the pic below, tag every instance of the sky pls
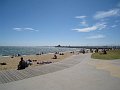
(64, 22)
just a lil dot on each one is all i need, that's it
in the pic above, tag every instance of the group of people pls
(23, 64)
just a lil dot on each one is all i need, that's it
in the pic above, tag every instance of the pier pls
(91, 47)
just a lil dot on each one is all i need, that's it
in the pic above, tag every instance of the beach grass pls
(111, 55)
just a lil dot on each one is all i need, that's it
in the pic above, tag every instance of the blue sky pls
(64, 22)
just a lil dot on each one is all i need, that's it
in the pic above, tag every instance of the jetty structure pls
(90, 47)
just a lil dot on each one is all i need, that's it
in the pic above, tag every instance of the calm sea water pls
(25, 50)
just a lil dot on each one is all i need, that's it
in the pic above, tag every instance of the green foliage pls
(111, 55)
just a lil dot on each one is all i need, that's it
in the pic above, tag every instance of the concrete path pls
(79, 72)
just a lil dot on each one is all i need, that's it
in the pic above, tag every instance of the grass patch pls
(112, 54)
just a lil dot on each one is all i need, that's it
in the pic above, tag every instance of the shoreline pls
(12, 63)
(37, 54)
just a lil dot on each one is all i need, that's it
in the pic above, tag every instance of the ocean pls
(31, 50)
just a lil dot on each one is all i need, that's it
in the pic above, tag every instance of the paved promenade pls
(78, 72)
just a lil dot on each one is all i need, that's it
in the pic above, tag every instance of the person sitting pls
(22, 64)
(30, 62)
(27, 63)
(104, 51)
(61, 54)
(55, 56)
(83, 51)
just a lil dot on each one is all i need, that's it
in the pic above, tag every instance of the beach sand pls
(12, 63)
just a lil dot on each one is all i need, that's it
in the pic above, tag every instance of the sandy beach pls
(12, 63)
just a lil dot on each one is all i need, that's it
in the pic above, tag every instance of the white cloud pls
(17, 29)
(84, 23)
(113, 26)
(105, 14)
(24, 29)
(81, 17)
(29, 29)
(98, 26)
(96, 37)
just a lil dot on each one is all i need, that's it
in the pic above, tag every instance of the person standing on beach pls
(22, 64)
